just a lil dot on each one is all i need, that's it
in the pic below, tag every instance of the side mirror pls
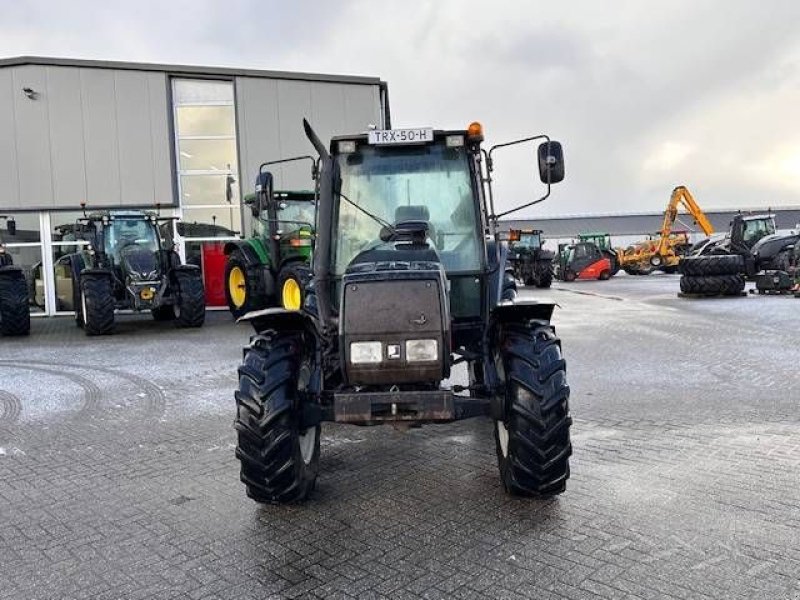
(264, 192)
(551, 162)
(11, 227)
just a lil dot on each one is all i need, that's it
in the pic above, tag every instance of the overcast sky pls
(644, 95)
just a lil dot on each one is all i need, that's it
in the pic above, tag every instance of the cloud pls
(643, 95)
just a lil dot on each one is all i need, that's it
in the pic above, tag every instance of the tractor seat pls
(415, 212)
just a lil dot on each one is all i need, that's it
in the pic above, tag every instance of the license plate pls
(381, 137)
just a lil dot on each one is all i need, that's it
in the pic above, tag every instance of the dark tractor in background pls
(15, 316)
(410, 280)
(271, 267)
(126, 265)
(533, 265)
(719, 266)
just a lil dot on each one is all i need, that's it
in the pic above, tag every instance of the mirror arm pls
(285, 160)
(513, 210)
(515, 142)
(489, 164)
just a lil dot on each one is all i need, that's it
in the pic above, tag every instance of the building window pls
(205, 145)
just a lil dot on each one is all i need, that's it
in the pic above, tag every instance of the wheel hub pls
(290, 294)
(237, 287)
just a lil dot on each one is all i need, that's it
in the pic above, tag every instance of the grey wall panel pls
(9, 181)
(135, 147)
(328, 113)
(294, 104)
(67, 148)
(160, 139)
(257, 125)
(362, 106)
(100, 137)
(33, 138)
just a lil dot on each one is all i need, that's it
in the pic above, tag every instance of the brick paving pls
(118, 480)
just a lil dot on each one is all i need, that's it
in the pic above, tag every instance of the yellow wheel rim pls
(237, 287)
(290, 294)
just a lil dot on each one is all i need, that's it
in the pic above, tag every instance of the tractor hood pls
(139, 264)
(771, 245)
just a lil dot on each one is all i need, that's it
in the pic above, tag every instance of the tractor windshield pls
(293, 215)
(131, 231)
(755, 229)
(530, 240)
(398, 183)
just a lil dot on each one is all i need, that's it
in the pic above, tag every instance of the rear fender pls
(523, 312)
(249, 250)
(96, 273)
(280, 319)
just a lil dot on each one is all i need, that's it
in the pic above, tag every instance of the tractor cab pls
(530, 239)
(601, 240)
(746, 230)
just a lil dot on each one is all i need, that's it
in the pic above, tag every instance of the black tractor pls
(533, 265)
(410, 280)
(721, 265)
(127, 265)
(15, 316)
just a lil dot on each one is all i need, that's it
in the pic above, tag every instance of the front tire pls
(532, 440)
(15, 316)
(279, 460)
(97, 303)
(190, 299)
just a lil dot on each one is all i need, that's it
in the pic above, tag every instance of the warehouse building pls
(186, 139)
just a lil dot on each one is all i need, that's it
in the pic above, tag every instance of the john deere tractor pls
(126, 265)
(410, 286)
(270, 268)
(533, 265)
(15, 318)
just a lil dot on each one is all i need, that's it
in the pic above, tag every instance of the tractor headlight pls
(422, 350)
(366, 352)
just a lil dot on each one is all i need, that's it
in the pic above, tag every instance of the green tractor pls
(271, 267)
(15, 316)
(410, 282)
(127, 265)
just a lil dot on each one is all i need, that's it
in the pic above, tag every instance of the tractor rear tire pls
(713, 285)
(249, 280)
(532, 441)
(15, 315)
(190, 299)
(712, 264)
(279, 461)
(97, 303)
(292, 281)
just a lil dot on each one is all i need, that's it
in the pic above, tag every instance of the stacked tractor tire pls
(713, 275)
(15, 316)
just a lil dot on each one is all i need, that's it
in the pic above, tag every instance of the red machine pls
(583, 260)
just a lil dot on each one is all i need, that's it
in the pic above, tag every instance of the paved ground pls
(118, 480)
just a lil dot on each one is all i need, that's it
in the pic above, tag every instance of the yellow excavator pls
(664, 250)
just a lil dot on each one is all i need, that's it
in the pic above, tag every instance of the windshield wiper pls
(375, 218)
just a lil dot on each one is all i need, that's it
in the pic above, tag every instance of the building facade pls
(186, 140)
